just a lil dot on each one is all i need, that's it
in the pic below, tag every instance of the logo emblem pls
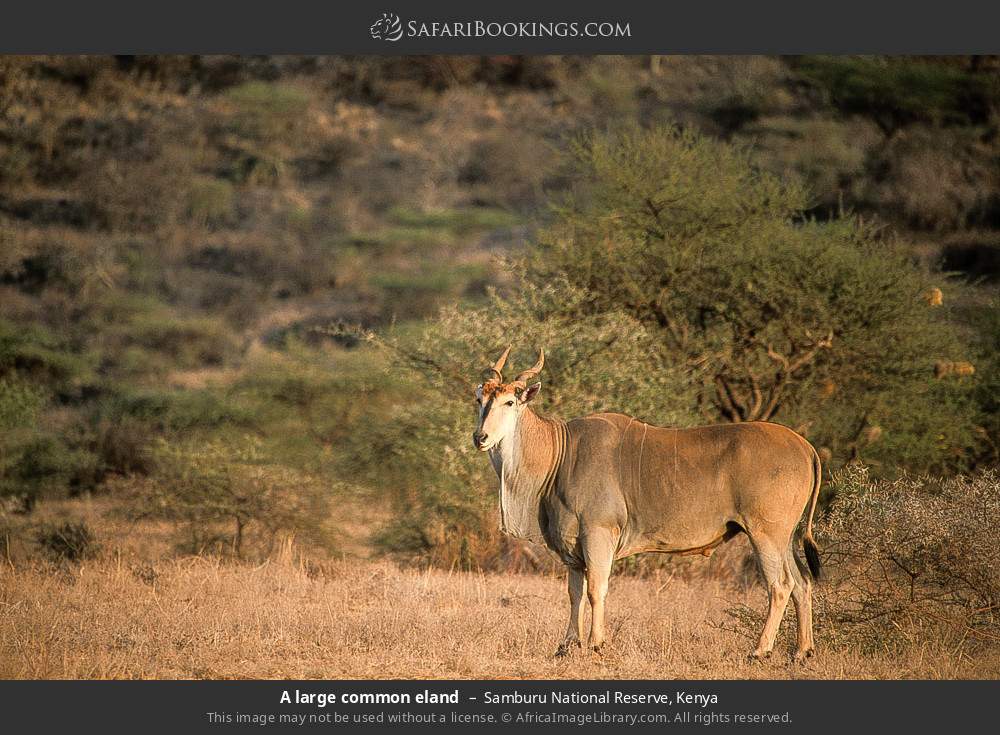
(387, 28)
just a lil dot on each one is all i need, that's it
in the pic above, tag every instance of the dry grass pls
(136, 612)
(201, 618)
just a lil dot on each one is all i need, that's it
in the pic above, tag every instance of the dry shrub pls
(933, 180)
(228, 499)
(136, 196)
(740, 90)
(720, 95)
(912, 560)
(827, 156)
(68, 541)
(472, 150)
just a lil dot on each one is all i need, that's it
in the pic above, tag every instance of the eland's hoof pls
(801, 656)
(567, 648)
(755, 656)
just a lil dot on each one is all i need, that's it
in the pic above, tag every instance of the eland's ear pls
(530, 392)
(479, 392)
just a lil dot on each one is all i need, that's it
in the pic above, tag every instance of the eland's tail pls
(808, 542)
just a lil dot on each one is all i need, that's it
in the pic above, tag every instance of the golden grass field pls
(121, 615)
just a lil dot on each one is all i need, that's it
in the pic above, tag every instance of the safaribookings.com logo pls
(390, 28)
(387, 28)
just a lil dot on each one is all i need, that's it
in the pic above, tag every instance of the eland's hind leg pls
(577, 587)
(802, 597)
(771, 560)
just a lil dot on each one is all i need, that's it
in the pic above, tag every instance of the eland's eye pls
(509, 403)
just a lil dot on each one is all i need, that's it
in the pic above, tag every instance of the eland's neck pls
(526, 464)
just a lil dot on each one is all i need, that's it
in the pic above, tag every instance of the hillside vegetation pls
(194, 252)
(244, 302)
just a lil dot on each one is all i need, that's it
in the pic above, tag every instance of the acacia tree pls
(820, 325)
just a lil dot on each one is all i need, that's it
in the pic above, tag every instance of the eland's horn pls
(495, 371)
(534, 370)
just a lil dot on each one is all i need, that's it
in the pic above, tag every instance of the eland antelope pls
(606, 486)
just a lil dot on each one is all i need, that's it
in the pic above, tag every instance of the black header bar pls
(510, 27)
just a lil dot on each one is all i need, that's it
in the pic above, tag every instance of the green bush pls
(895, 92)
(42, 356)
(315, 403)
(266, 111)
(188, 342)
(211, 202)
(20, 403)
(460, 221)
(419, 295)
(175, 410)
(39, 456)
(48, 463)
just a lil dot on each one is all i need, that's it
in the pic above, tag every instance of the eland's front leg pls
(577, 587)
(599, 552)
